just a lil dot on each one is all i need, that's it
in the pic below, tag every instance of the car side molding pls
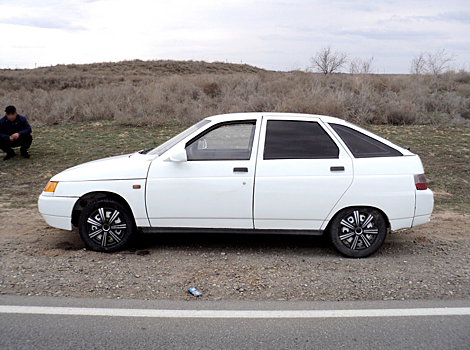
(199, 230)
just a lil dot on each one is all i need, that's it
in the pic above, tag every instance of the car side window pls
(286, 139)
(227, 141)
(363, 146)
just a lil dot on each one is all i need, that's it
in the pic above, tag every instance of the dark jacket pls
(20, 126)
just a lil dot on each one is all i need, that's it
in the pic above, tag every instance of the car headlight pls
(51, 186)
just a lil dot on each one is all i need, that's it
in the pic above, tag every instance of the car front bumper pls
(57, 211)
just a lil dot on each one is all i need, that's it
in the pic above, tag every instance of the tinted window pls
(298, 140)
(363, 146)
(232, 141)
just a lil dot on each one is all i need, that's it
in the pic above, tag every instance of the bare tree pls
(432, 62)
(437, 61)
(328, 62)
(418, 64)
(361, 66)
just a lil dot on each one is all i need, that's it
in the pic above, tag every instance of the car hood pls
(128, 166)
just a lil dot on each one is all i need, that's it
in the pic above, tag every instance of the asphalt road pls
(72, 323)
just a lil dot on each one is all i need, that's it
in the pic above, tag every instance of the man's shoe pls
(9, 155)
(25, 154)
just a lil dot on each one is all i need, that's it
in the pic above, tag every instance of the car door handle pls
(337, 168)
(240, 170)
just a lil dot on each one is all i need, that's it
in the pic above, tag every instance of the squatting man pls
(15, 131)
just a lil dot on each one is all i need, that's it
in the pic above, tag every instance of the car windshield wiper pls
(145, 150)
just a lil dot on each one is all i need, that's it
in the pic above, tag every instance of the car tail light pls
(420, 182)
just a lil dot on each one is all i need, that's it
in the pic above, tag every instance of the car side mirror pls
(179, 156)
(202, 144)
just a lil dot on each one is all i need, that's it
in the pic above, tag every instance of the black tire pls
(358, 232)
(106, 226)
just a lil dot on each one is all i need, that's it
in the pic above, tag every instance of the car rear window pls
(363, 146)
(287, 139)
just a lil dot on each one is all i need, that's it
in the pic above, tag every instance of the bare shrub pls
(168, 102)
(211, 89)
(328, 62)
(418, 64)
(61, 107)
(434, 63)
(361, 103)
(361, 65)
(461, 77)
(400, 113)
(437, 62)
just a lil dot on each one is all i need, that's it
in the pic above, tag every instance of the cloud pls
(42, 22)
(455, 16)
(462, 17)
(395, 19)
(356, 5)
(47, 14)
(388, 34)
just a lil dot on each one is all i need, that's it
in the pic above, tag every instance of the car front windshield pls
(171, 142)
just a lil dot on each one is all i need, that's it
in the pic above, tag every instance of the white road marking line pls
(78, 311)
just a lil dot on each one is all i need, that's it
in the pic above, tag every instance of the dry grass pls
(173, 93)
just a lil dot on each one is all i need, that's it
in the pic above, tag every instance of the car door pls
(302, 172)
(213, 188)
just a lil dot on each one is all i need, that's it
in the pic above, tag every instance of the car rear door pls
(302, 172)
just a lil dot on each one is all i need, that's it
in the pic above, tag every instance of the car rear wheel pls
(358, 232)
(106, 226)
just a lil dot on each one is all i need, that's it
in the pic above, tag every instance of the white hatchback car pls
(248, 172)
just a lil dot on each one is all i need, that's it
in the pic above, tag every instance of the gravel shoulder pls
(428, 262)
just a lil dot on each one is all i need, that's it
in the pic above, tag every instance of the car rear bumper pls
(424, 206)
(57, 211)
(420, 220)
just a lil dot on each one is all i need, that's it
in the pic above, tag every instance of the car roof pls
(251, 115)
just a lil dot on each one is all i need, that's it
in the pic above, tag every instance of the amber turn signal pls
(51, 186)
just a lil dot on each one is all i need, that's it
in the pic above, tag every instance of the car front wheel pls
(358, 232)
(106, 226)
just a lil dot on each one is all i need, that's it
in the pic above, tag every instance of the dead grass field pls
(178, 93)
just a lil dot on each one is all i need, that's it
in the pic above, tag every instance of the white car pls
(248, 172)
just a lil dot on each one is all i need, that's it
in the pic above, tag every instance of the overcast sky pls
(279, 35)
